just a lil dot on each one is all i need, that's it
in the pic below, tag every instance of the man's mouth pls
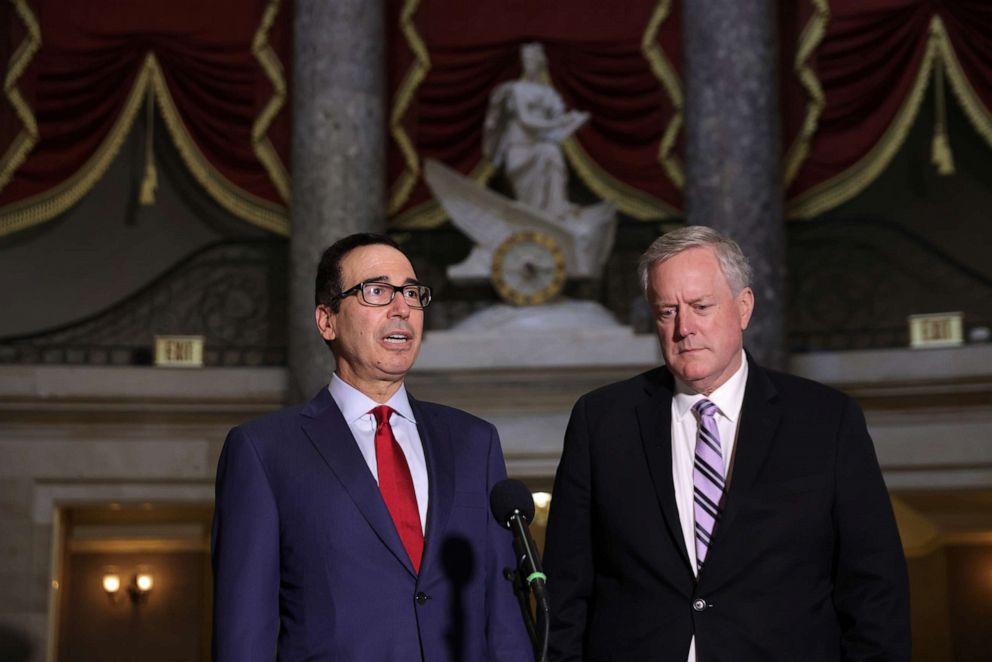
(398, 338)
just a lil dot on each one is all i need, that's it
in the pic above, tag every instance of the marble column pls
(733, 170)
(339, 102)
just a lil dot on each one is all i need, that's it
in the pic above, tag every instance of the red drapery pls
(874, 63)
(78, 73)
(853, 73)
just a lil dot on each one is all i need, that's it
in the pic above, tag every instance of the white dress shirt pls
(356, 407)
(728, 398)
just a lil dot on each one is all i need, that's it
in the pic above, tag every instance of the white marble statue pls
(525, 125)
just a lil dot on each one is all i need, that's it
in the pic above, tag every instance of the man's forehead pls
(375, 261)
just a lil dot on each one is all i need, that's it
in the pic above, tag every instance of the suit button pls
(421, 597)
(699, 604)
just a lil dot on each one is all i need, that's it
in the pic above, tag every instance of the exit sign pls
(936, 330)
(179, 351)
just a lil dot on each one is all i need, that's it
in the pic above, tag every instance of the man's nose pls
(683, 325)
(399, 307)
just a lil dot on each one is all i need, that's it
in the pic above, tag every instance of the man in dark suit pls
(716, 511)
(357, 527)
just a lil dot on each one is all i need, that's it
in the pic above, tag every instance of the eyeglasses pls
(377, 293)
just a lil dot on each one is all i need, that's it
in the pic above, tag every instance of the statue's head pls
(533, 59)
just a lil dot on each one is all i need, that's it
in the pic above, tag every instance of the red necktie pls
(396, 485)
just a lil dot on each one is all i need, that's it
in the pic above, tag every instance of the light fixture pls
(111, 583)
(141, 586)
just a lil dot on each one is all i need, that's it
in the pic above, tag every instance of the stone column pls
(339, 100)
(733, 159)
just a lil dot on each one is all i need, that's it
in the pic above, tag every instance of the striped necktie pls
(707, 479)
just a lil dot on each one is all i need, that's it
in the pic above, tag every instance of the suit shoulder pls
(455, 417)
(629, 390)
(793, 385)
(269, 426)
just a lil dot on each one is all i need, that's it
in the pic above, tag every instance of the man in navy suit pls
(357, 527)
(713, 511)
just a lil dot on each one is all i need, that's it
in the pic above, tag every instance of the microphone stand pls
(530, 579)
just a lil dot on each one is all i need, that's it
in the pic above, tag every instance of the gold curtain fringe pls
(845, 185)
(25, 141)
(978, 114)
(272, 67)
(670, 82)
(809, 40)
(940, 150)
(149, 182)
(404, 97)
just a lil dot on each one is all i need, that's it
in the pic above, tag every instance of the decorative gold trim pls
(149, 182)
(255, 210)
(556, 279)
(25, 141)
(809, 40)
(670, 82)
(404, 97)
(845, 185)
(272, 67)
(977, 112)
(629, 200)
(45, 206)
(940, 149)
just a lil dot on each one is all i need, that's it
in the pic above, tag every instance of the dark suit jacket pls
(307, 560)
(805, 565)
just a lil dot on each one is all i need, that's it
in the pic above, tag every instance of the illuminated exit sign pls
(936, 330)
(179, 351)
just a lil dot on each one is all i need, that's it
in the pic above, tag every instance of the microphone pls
(513, 507)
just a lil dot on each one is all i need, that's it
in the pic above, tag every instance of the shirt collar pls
(728, 398)
(354, 404)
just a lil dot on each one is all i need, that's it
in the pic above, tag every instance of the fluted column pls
(733, 171)
(339, 94)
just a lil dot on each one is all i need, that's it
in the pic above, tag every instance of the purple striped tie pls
(707, 479)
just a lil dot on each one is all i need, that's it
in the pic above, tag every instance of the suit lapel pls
(654, 417)
(760, 417)
(331, 436)
(435, 435)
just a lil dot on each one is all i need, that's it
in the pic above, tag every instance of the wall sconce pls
(141, 585)
(112, 584)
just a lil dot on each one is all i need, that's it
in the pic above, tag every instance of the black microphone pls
(513, 507)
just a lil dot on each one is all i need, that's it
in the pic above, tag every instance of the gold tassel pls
(150, 180)
(940, 149)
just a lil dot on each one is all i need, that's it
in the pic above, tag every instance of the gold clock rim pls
(553, 288)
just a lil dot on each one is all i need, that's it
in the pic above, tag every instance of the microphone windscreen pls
(508, 496)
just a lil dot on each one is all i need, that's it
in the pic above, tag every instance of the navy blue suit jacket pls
(804, 566)
(307, 562)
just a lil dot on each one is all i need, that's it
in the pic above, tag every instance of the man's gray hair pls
(733, 263)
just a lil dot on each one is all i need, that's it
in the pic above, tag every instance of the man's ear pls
(326, 322)
(745, 306)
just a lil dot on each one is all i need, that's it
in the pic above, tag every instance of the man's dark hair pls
(328, 284)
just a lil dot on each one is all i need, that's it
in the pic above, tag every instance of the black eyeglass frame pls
(359, 289)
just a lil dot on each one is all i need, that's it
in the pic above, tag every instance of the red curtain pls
(874, 64)
(218, 72)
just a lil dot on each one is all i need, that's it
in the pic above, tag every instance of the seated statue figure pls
(525, 124)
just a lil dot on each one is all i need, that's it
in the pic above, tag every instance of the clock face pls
(528, 268)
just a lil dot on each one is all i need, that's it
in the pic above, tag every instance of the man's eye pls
(668, 313)
(412, 293)
(373, 290)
